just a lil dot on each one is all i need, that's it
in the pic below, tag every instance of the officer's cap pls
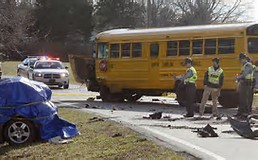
(242, 56)
(215, 60)
(188, 60)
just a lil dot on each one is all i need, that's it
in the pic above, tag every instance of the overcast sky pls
(251, 10)
(255, 10)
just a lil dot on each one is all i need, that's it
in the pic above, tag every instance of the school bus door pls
(154, 51)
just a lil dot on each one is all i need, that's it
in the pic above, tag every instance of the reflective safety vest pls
(194, 76)
(254, 68)
(214, 75)
(249, 76)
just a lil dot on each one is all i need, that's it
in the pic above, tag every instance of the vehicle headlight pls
(38, 74)
(64, 75)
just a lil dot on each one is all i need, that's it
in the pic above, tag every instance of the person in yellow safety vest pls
(253, 86)
(213, 81)
(189, 80)
(245, 80)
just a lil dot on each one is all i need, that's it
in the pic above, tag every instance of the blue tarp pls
(31, 100)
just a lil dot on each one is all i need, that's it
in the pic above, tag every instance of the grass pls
(95, 142)
(9, 68)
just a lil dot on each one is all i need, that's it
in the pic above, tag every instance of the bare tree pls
(194, 12)
(162, 13)
(15, 22)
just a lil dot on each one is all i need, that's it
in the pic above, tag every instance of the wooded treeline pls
(62, 27)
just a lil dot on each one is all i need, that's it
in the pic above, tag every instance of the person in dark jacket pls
(189, 80)
(213, 81)
(253, 85)
(245, 80)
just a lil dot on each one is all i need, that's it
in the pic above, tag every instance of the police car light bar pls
(51, 58)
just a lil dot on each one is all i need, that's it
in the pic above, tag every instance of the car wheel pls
(17, 132)
(66, 86)
(60, 86)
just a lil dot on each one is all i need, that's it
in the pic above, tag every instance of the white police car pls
(50, 72)
(26, 64)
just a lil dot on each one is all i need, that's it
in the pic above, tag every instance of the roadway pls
(175, 132)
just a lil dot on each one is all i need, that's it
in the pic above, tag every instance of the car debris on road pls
(243, 128)
(156, 115)
(207, 131)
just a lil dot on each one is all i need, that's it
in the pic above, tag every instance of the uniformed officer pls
(245, 80)
(213, 81)
(253, 86)
(189, 80)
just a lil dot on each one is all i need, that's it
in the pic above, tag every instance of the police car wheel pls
(17, 132)
(66, 86)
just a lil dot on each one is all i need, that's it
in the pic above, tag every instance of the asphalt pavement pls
(172, 130)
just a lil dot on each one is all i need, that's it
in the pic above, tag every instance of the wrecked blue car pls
(27, 114)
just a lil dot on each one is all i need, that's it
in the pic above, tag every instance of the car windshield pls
(32, 62)
(49, 65)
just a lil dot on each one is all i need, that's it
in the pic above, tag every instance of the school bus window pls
(253, 45)
(126, 47)
(137, 50)
(172, 48)
(252, 30)
(210, 46)
(184, 48)
(197, 46)
(226, 45)
(114, 50)
(154, 48)
(102, 50)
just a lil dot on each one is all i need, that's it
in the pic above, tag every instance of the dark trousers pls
(252, 97)
(245, 98)
(251, 102)
(190, 91)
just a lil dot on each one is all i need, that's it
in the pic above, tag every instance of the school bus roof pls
(173, 32)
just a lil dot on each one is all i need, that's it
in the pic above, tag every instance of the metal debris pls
(116, 135)
(155, 100)
(242, 128)
(156, 115)
(207, 131)
(90, 99)
(95, 119)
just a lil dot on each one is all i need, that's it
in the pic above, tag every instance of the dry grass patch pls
(98, 140)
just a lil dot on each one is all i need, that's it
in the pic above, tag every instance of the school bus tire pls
(228, 99)
(133, 97)
(107, 96)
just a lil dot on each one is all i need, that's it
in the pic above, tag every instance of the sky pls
(255, 10)
(251, 10)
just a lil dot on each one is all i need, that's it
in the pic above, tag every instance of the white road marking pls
(192, 146)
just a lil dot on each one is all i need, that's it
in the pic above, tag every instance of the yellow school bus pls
(130, 63)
